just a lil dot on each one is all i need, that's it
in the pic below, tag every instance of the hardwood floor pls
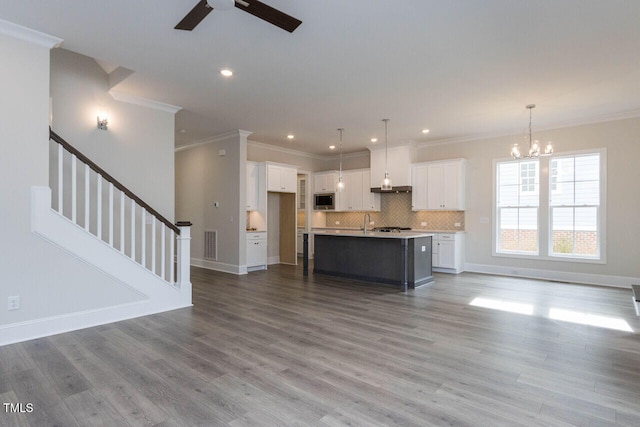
(274, 348)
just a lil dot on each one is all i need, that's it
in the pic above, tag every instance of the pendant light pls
(340, 186)
(534, 146)
(386, 181)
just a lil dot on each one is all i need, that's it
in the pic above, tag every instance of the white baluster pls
(172, 242)
(153, 244)
(143, 238)
(74, 195)
(111, 214)
(60, 178)
(133, 230)
(99, 207)
(162, 252)
(87, 188)
(122, 221)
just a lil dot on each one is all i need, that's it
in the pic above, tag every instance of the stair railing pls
(117, 216)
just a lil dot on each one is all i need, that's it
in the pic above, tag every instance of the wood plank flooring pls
(275, 348)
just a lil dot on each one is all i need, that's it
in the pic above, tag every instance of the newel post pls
(184, 255)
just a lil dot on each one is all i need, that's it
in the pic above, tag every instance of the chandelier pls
(534, 146)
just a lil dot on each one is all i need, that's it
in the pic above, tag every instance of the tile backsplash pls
(395, 210)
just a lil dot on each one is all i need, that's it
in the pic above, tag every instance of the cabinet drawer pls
(256, 236)
(448, 236)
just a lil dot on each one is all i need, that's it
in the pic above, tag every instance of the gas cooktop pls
(391, 229)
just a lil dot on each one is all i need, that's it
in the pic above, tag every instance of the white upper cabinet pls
(325, 182)
(357, 195)
(370, 200)
(445, 185)
(282, 179)
(438, 185)
(419, 187)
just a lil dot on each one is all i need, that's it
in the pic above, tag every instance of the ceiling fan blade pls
(193, 18)
(269, 14)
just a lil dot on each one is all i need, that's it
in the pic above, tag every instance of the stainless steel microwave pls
(324, 202)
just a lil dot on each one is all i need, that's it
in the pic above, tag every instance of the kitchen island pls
(402, 259)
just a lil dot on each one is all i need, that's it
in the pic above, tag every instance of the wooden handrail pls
(57, 138)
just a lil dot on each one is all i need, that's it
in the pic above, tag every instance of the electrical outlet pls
(13, 303)
(423, 224)
(337, 222)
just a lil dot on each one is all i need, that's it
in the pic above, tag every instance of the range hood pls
(400, 159)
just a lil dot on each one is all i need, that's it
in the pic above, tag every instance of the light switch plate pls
(13, 303)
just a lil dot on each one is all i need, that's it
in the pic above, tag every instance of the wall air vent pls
(211, 245)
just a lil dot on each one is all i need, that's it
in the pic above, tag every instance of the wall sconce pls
(103, 121)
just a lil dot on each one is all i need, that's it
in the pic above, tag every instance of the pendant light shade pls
(385, 185)
(340, 185)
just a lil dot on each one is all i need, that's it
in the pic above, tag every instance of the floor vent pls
(211, 245)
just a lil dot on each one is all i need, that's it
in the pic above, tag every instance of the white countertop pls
(376, 234)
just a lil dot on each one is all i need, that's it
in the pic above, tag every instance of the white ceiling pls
(463, 69)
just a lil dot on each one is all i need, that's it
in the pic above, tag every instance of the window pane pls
(562, 233)
(508, 195)
(586, 231)
(587, 168)
(508, 174)
(564, 167)
(508, 230)
(528, 233)
(563, 194)
(588, 193)
(531, 197)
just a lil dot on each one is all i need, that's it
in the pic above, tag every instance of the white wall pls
(257, 152)
(138, 148)
(622, 141)
(203, 177)
(48, 280)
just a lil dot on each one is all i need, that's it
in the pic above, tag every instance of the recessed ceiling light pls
(374, 139)
(332, 147)
(290, 136)
(425, 130)
(226, 72)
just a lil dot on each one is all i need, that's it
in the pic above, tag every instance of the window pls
(574, 207)
(517, 207)
(551, 208)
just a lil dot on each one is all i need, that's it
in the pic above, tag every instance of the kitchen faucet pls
(364, 222)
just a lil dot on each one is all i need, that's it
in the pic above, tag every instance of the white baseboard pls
(560, 276)
(219, 266)
(38, 328)
(273, 260)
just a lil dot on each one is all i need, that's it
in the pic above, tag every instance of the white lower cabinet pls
(448, 252)
(256, 250)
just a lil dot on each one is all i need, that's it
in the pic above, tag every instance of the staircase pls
(95, 218)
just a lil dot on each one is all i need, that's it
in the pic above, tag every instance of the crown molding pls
(217, 138)
(143, 102)
(286, 150)
(603, 118)
(27, 34)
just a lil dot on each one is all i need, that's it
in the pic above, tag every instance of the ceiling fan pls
(254, 7)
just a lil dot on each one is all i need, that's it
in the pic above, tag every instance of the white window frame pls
(544, 220)
(496, 214)
(601, 208)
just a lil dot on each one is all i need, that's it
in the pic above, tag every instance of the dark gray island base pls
(402, 260)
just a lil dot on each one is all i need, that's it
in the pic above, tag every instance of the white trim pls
(286, 150)
(604, 118)
(215, 138)
(27, 34)
(561, 276)
(219, 266)
(143, 102)
(38, 328)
